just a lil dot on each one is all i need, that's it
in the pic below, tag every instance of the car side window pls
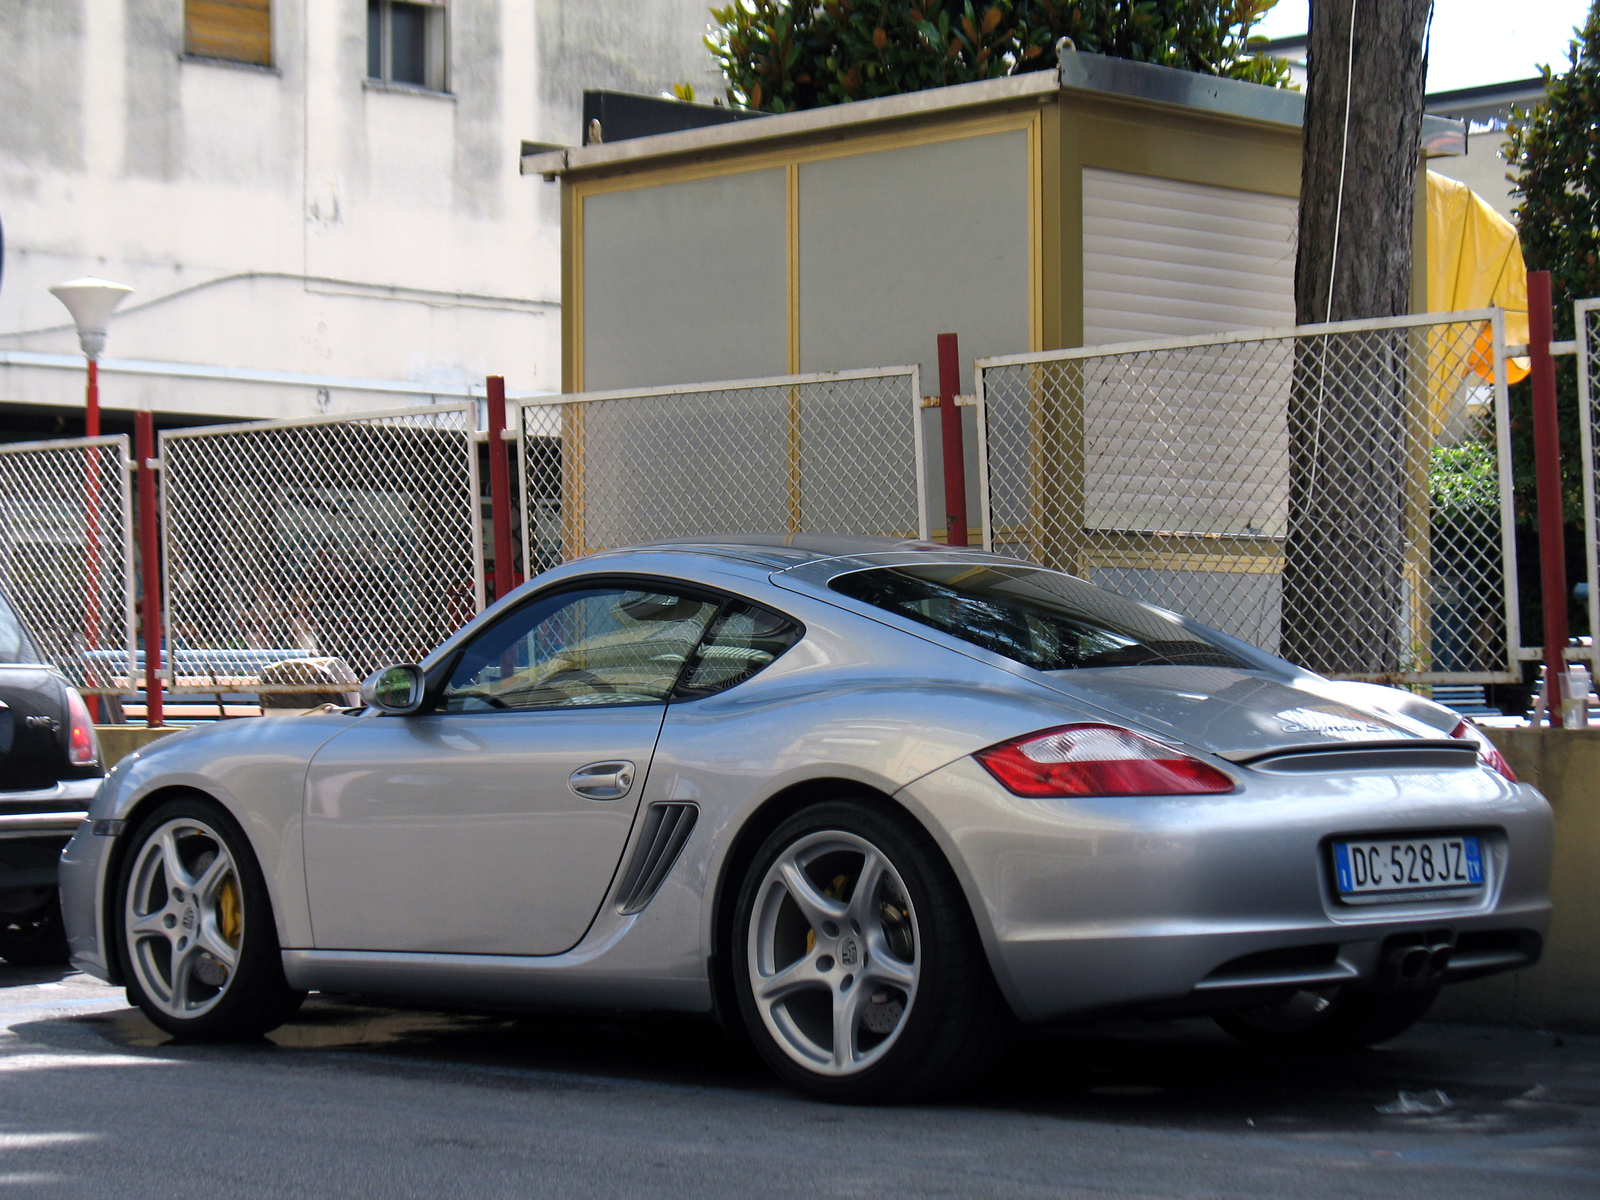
(598, 646)
(745, 638)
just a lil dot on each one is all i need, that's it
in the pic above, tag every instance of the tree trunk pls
(1349, 470)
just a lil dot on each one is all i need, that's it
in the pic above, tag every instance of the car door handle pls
(603, 780)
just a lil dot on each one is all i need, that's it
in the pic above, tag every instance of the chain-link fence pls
(1586, 328)
(833, 453)
(353, 539)
(66, 555)
(1337, 494)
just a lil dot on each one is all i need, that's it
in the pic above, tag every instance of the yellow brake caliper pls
(229, 911)
(835, 891)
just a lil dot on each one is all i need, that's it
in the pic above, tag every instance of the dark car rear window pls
(1039, 618)
(15, 645)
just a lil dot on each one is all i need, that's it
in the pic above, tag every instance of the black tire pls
(255, 996)
(1349, 1019)
(956, 1024)
(35, 938)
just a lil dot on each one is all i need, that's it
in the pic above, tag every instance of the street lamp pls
(91, 302)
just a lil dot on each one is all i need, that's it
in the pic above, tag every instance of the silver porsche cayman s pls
(871, 805)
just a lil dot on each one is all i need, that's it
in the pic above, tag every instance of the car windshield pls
(15, 645)
(1042, 619)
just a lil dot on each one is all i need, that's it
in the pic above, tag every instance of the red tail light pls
(1487, 754)
(83, 748)
(1098, 760)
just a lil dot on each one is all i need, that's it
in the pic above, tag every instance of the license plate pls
(1369, 872)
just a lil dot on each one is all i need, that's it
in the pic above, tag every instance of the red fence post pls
(91, 612)
(955, 456)
(144, 439)
(91, 402)
(500, 489)
(1547, 464)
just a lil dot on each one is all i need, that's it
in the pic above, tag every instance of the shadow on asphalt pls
(1181, 1074)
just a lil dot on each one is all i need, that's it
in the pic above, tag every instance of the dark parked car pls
(50, 768)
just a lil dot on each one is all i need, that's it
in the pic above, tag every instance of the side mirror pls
(396, 690)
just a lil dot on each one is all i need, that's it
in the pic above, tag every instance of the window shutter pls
(1164, 258)
(237, 30)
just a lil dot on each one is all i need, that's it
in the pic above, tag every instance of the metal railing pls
(354, 538)
(1586, 333)
(66, 554)
(838, 453)
(1337, 494)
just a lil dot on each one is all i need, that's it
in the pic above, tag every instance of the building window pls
(406, 43)
(235, 30)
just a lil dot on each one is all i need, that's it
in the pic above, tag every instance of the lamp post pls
(91, 302)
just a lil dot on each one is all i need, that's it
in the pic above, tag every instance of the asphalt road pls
(359, 1101)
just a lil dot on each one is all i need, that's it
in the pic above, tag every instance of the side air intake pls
(666, 829)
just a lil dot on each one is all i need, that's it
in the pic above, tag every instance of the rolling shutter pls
(236, 30)
(1164, 259)
(1184, 467)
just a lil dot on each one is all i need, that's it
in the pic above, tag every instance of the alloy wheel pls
(184, 917)
(833, 953)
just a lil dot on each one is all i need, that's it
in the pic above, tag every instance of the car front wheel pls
(200, 951)
(858, 971)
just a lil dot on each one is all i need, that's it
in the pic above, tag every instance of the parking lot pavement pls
(362, 1101)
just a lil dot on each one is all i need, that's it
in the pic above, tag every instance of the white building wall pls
(300, 219)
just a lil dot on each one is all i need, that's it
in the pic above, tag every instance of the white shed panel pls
(1162, 258)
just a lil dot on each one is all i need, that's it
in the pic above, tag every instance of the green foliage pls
(1555, 158)
(783, 55)
(1464, 486)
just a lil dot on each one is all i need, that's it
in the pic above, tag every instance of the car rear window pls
(15, 645)
(1042, 619)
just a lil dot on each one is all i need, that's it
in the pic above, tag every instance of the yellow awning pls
(1475, 261)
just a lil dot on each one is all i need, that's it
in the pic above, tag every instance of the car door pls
(492, 822)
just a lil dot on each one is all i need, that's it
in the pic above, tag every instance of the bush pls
(783, 55)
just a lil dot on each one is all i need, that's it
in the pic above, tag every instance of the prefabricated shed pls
(1103, 202)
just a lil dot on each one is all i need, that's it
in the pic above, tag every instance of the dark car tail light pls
(1487, 754)
(83, 748)
(1098, 760)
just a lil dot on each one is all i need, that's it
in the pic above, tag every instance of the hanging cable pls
(1344, 152)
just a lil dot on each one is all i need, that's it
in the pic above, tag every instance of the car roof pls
(779, 551)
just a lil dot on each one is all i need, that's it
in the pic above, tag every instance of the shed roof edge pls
(1079, 72)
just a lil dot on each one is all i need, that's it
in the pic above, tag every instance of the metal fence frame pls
(471, 437)
(1494, 317)
(1586, 336)
(111, 655)
(526, 407)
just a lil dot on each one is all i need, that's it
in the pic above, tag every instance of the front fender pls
(256, 769)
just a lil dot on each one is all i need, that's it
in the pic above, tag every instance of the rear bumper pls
(34, 826)
(56, 809)
(1148, 903)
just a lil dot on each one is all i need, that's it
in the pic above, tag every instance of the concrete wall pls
(1563, 990)
(299, 218)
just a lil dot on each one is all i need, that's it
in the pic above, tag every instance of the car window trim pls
(681, 694)
(440, 676)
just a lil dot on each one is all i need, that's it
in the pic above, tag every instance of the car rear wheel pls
(1337, 1018)
(34, 937)
(858, 971)
(199, 947)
